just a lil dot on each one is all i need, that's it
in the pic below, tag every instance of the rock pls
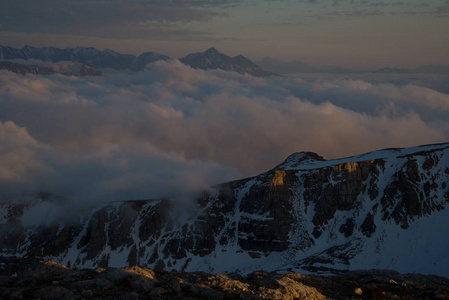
(297, 290)
(101, 284)
(142, 284)
(148, 273)
(211, 294)
(55, 293)
(159, 291)
(114, 274)
(42, 269)
(392, 281)
(13, 295)
(115, 283)
(130, 296)
(87, 293)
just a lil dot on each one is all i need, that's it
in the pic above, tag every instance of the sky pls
(347, 33)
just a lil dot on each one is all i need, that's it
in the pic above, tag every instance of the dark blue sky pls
(366, 33)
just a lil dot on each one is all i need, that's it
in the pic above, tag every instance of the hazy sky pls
(351, 33)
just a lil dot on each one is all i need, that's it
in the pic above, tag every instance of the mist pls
(172, 130)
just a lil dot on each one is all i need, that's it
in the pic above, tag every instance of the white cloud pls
(18, 161)
(171, 129)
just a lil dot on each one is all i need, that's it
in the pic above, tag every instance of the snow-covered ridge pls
(310, 160)
(381, 210)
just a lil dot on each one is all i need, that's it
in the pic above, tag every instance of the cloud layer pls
(110, 19)
(171, 130)
(160, 20)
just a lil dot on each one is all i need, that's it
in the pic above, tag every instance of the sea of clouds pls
(172, 130)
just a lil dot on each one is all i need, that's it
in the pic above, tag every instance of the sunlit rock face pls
(385, 210)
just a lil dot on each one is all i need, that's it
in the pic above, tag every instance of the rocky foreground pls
(49, 280)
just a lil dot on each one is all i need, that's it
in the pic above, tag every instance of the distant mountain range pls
(89, 56)
(209, 59)
(82, 70)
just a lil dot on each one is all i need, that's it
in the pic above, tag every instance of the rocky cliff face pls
(386, 209)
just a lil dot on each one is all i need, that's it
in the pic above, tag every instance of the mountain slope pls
(50, 54)
(76, 69)
(25, 69)
(101, 59)
(85, 55)
(213, 59)
(145, 58)
(385, 209)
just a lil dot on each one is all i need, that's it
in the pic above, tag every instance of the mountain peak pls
(298, 159)
(212, 50)
(146, 58)
(110, 52)
(213, 59)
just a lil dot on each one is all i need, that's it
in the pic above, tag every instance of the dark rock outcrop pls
(49, 280)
